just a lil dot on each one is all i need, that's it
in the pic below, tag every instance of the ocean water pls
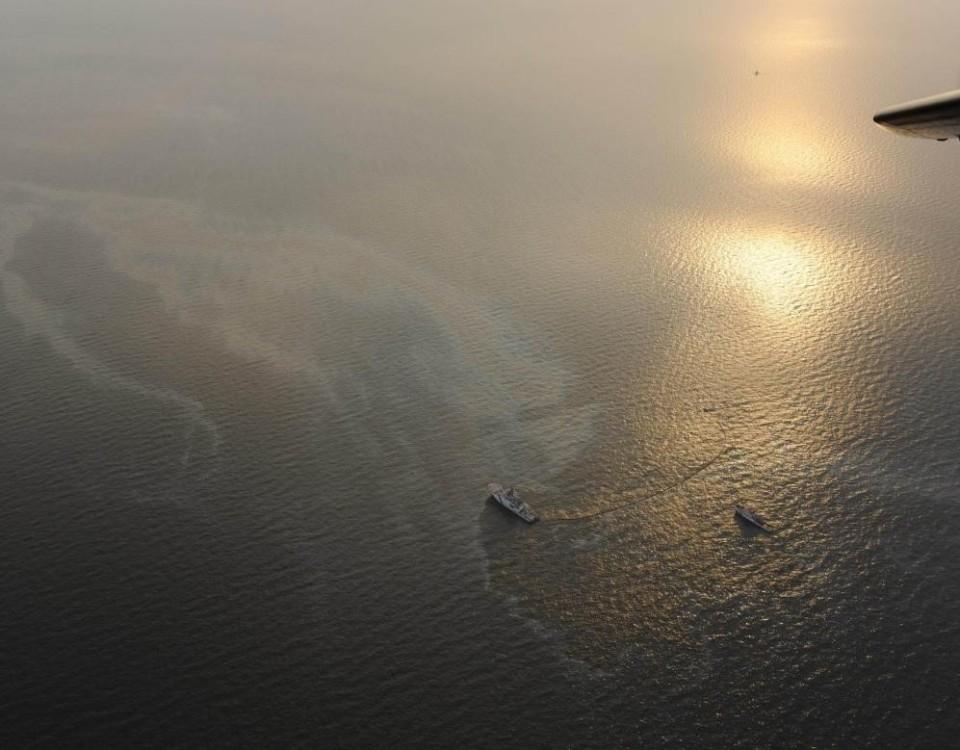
(285, 286)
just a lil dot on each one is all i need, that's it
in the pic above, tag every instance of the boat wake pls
(688, 476)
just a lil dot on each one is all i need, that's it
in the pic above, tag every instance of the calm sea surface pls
(284, 285)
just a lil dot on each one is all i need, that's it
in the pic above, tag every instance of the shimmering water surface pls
(285, 285)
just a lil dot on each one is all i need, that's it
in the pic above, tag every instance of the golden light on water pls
(781, 140)
(782, 128)
(778, 269)
(786, 149)
(789, 37)
(780, 272)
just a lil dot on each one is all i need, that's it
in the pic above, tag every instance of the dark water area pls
(284, 287)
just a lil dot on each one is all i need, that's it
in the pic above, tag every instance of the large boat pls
(510, 500)
(751, 517)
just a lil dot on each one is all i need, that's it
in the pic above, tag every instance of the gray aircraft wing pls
(935, 117)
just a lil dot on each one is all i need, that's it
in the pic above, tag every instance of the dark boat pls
(751, 517)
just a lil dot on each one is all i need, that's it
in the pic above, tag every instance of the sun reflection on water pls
(780, 272)
(787, 148)
(799, 35)
(781, 141)
(781, 127)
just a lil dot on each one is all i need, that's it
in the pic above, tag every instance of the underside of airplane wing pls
(935, 117)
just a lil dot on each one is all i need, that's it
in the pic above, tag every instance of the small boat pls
(751, 517)
(510, 500)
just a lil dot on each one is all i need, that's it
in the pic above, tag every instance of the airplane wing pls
(935, 117)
